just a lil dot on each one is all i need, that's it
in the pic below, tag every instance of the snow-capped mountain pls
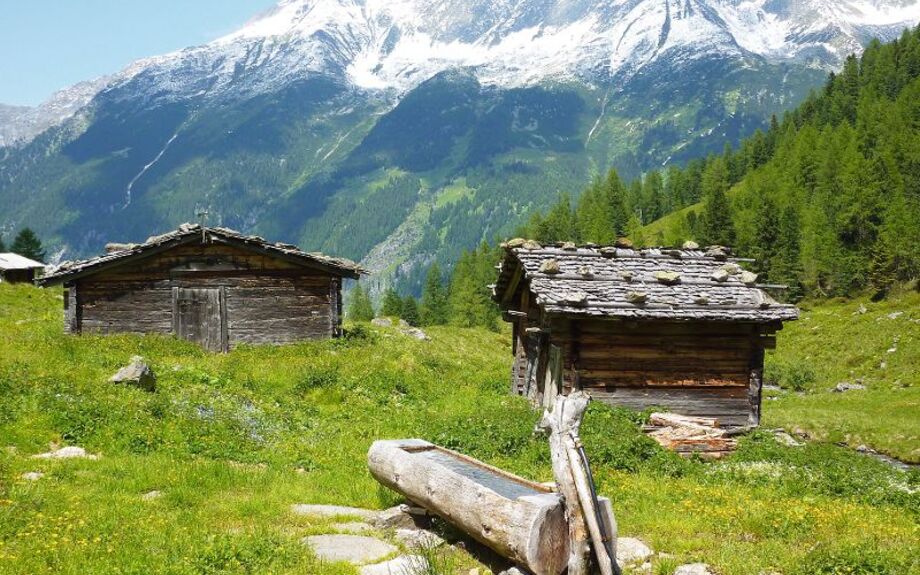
(394, 45)
(397, 44)
(402, 130)
(20, 124)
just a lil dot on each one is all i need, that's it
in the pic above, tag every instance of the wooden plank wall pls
(267, 300)
(693, 369)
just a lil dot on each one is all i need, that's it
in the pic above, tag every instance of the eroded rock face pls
(137, 374)
(355, 549)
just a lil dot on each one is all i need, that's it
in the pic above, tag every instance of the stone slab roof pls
(11, 261)
(119, 253)
(621, 282)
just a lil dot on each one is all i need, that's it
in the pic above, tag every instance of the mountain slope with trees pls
(827, 199)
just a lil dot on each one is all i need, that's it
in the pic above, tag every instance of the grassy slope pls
(833, 343)
(232, 440)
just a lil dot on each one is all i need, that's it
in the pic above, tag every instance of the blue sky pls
(46, 45)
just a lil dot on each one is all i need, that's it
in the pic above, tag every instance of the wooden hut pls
(15, 268)
(210, 285)
(680, 329)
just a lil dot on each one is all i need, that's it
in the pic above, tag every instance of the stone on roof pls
(654, 283)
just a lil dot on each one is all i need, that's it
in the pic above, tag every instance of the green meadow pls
(232, 441)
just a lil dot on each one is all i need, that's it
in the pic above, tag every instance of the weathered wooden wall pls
(689, 368)
(264, 299)
(702, 369)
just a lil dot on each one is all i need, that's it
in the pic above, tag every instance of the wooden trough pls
(519, 519)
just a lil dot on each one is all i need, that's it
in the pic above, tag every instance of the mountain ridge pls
(339, 124)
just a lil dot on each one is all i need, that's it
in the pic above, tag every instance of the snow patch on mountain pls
(391, 46)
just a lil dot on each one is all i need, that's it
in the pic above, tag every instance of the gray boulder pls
(137, 374)
(402, 517)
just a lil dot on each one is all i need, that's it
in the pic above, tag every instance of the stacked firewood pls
(688, 435)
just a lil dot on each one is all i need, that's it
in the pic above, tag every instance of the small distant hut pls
(15, 268)
(210, 285)
(680, 329)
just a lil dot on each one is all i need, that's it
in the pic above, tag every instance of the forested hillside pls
(827, 200)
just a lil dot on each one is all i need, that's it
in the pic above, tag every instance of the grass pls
(231, 441)
(835, 342)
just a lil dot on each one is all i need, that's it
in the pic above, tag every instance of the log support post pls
(590, 524)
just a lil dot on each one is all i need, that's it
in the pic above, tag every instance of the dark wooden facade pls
(212, 286)
(605, 323)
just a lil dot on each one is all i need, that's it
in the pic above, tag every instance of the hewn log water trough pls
(519, 519)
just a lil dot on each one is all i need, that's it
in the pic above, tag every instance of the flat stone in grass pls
(631, 550)
(352, 527)
(355, 549)
(693, 569)
(32, 475)
(329, 511)
(399, 566)
(69, 452)
(151, 495)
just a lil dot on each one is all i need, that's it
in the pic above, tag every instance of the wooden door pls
(199, 315)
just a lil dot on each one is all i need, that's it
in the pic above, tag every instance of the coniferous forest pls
(827, 199)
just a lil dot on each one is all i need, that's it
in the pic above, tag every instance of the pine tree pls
(652, 197)
(560, 224)
(785, 263)
(719, 228)
(2, 245)
(360, 308)
(766, 225)
(615, 192)
(28, 245)
(593, 215)
(434, 306)
(410, 310)
(392, 304)
(470, 298)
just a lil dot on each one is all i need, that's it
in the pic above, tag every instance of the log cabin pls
(15, 268)
(210, 285)
(677, 329)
